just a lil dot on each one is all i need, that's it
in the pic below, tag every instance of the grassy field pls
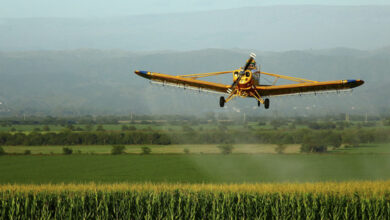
(366, 149)
(193, 149)
(118, 127)
(156, 149)
(236, 168)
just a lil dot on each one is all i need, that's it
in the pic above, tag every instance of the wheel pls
(258, 103)
(222, 101)
(266, 103)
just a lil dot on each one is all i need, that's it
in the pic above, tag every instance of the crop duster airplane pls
(246, 83)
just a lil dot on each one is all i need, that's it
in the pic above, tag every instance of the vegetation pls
(146, 150)
(312, 145)
(226, 148)
(118, 149)
(351, 136)
(280, 148)
(194, 168)
(67, 150)
(358, 200)
(2, 152)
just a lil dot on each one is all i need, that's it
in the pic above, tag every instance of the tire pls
(222, 101)
(266, 103)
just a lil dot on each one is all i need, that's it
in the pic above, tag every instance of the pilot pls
(252, 67)
(255, 72)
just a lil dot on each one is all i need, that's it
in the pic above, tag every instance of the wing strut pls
(199, 75)
(295, 79)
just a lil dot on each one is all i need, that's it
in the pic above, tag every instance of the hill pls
(102, 81)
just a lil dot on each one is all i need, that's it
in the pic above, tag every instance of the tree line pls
(335, 138)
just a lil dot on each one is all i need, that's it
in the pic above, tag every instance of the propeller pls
(252, 56)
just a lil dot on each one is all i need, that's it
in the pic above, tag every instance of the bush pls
(187, 128)
(186, 151)
(312, 143)
(226, 148)
(27, 152)
(67, 150)
(132, 128)
(333, 139)
(124, 128)
(2, 152)
(118, 149)
(100, 128)
(351, 138)
(261, 123)
(308, 148)
(146, 150)
(280, 148)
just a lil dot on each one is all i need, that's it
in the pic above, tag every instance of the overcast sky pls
(105, 8)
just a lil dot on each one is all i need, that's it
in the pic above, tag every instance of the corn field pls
(348, 200)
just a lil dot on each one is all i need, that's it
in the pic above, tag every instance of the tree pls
(124, 128)
(187, 128)
(132, 128)
(100, 128)
(67, 151)
(351, 139)
(117, 149)
(88, 127)
(2, 152)
(313, 144)
(146, 150)
(333, 139)
(276, 124)
(226, 148)
(280, 148)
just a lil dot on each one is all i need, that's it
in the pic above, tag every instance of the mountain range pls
(90, 81)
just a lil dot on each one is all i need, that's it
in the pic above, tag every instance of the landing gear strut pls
(266, 103)
(222, 101)
(258, 103)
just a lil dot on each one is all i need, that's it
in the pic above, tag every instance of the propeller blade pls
(252, 56)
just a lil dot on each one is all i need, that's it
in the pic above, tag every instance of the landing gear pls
(266, 103)
(222, 101)
(258, 103)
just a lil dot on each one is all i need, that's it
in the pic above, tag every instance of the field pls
(235, 168)
(358, 200)
(156, 149)
(192, 149)
(139, 126)
(195, 181)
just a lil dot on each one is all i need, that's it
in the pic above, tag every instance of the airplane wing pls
(186, 81)
(307, 87)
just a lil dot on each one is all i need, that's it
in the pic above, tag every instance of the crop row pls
(176, 201)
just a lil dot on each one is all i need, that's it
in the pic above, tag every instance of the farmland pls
(155, 149)
(67, 169)
(235, 168)
(359, 200)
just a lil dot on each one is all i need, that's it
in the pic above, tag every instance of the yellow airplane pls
(246, 83)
